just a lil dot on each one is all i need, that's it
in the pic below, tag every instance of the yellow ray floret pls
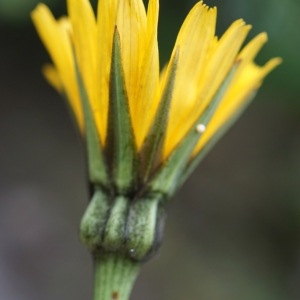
(56, 37)
(106, 20)
(248, 82)
(53, 78)
(204, 62)
(146, 96)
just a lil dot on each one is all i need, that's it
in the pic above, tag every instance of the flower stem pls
(114, 276)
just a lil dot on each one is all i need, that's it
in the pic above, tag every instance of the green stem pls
(114, 277)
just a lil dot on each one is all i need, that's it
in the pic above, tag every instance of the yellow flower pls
(204, 62)
(145, 131)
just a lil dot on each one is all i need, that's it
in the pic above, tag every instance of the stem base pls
(114, 276)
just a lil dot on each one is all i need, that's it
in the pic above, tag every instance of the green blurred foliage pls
(17, 11)
(280, 19)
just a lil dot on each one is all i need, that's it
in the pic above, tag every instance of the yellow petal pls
(252, 48)
(248, 54)
(106, 20)
(84, 38)
(194, 40)
(131, 23)
(146, 99)
(56, 38)
(218, 62)
(249, 80)
(52, 76)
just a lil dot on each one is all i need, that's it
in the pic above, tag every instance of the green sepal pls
(94, 220)
(98, 173)
(151, 151)
(141, 227)
(120, 143)
(132, 228)
(114, 234)
(166, 179)
(194, 161)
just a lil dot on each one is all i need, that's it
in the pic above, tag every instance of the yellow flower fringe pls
(204, 61)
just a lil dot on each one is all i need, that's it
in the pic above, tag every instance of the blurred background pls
(233, 231)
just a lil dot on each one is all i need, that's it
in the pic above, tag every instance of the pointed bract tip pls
(38, 8)
(264, 36)
(278, 60)
(117, 35)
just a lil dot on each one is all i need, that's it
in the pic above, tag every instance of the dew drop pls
(200, 128)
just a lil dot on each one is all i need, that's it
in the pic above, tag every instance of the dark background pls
(233, 230)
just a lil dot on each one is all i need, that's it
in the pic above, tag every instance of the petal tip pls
(264, 37)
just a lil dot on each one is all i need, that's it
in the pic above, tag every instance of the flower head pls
(146, 129)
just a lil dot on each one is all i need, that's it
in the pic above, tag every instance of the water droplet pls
(200, 128)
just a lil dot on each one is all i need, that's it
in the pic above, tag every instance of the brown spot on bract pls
(115, 295)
